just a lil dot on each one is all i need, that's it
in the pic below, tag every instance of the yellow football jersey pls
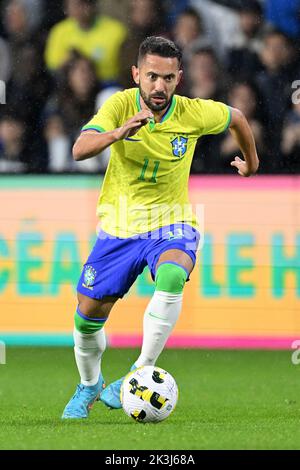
(146, 182)
(101, 44)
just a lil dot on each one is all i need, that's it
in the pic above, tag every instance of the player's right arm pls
(90, 142)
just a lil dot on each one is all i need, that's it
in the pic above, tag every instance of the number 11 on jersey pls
(154, 173)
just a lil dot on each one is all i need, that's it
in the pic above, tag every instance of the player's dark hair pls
(157, 45)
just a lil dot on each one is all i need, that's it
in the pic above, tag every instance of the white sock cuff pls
(90, 341)
(167, 297)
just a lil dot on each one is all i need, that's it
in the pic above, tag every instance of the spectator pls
(21, 28)
(28, 85)
(20, 15)
(189, 34)
(12, 132)
(206, 80)
(205, 77)
(221, 24)
(188, 30)
(245, 97)
(27, 93)
(76, 93)
(146, 18)
(280, 70)
(246, 44)
(69, 109)
(99, 38)
(290, 144)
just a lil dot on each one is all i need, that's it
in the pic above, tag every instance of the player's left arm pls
(242, 133)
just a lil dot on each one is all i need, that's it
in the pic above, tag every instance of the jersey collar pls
(168, 112)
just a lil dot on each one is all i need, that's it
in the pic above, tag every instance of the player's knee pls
(170, 278)
(93, 308)
(88, 322)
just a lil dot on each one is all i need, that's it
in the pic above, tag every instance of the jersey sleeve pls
(108, 117)
(214, 116)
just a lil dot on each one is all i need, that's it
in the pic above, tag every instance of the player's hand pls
(134, 124)
(241, 166)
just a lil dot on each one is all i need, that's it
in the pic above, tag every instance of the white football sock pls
(88, 351)
(159, 320)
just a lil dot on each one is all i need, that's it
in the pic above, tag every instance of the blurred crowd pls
(61, 59)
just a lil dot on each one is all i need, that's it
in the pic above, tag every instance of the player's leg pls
(89, 340)
(89, 336)
(172, 270)
(108, 274)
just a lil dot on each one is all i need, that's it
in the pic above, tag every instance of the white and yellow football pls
(149, 394)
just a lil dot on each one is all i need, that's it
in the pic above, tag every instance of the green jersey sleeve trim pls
(93, 127)
(228, 120)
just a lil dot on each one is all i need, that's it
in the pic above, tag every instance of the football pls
(149, 394)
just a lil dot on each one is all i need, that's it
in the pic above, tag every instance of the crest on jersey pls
(89, 276)
(179, 146)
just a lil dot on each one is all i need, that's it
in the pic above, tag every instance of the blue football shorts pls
(115, 263)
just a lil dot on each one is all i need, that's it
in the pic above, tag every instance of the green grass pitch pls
(228, 400)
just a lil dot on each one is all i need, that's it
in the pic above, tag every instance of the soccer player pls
(146, 218)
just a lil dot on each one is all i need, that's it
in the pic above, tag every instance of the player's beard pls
(156, 107)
